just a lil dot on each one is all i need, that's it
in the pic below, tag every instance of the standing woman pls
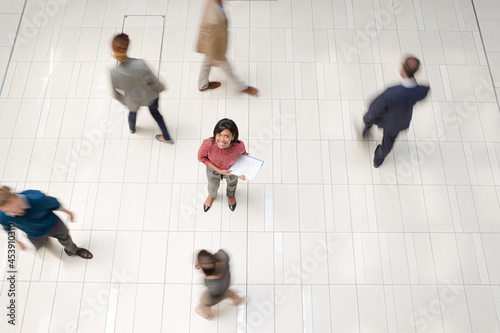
(218, 153)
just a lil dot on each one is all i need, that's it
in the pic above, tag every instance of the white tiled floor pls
(321, 241)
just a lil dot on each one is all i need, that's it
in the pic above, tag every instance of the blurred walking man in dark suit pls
(393, 109)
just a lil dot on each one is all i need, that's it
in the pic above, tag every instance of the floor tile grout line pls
(98, 183)
(351, 229)
(406, 245)
(97, 189)
(147, 186)
(27, 172)
(183, 68)
(84, 271)
(318, 113)
(463, 284)
(268, 284)
(279, 102)
(429, 234)
(247, 138)
(295, 231)
(459, 263)
(326, 228)
(158, 163)
(60, 129)
(485, 53)
(13, 46)
(122, 183)
(398, 193)
(271, 61)
(453, 226)
(249, 69)
(24, 183)
(282, 183)
(195, 231)
(59, 265)
(17, 117)
(298, 193)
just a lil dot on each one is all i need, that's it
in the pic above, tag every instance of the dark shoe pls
(251, 90)
(206, 208)
(132, 130)
(158, 136)
(232, 207)
(84, 253)
(375, 164)
(211, 85)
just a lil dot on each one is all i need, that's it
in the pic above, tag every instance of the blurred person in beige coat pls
(213, 43)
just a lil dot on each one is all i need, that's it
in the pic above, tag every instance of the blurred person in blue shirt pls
(33, 212)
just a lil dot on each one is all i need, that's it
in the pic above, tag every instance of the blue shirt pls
(38, 219)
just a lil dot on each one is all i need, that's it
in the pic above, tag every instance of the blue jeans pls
(153, 108)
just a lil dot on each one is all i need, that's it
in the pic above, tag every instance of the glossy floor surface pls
(320, 241)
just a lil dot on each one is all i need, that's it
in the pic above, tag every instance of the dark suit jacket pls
(393, 109)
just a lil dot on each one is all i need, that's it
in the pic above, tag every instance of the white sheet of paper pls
(246, 165)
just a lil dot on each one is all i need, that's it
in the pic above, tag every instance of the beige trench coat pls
(213, 33)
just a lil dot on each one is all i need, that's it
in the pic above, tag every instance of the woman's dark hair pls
(207, 262)
(226, 124)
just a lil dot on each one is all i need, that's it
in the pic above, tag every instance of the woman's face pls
(224, 138)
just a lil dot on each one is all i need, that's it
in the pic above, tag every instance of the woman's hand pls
(226, 172)
(242, 177)
(197, 266)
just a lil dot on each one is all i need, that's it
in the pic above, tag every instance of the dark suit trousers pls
(385, 147)
(153, 108)
(59, 231)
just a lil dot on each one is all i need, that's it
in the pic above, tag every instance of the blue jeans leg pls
(153, 108)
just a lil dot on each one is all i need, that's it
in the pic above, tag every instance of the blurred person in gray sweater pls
(134, 85)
